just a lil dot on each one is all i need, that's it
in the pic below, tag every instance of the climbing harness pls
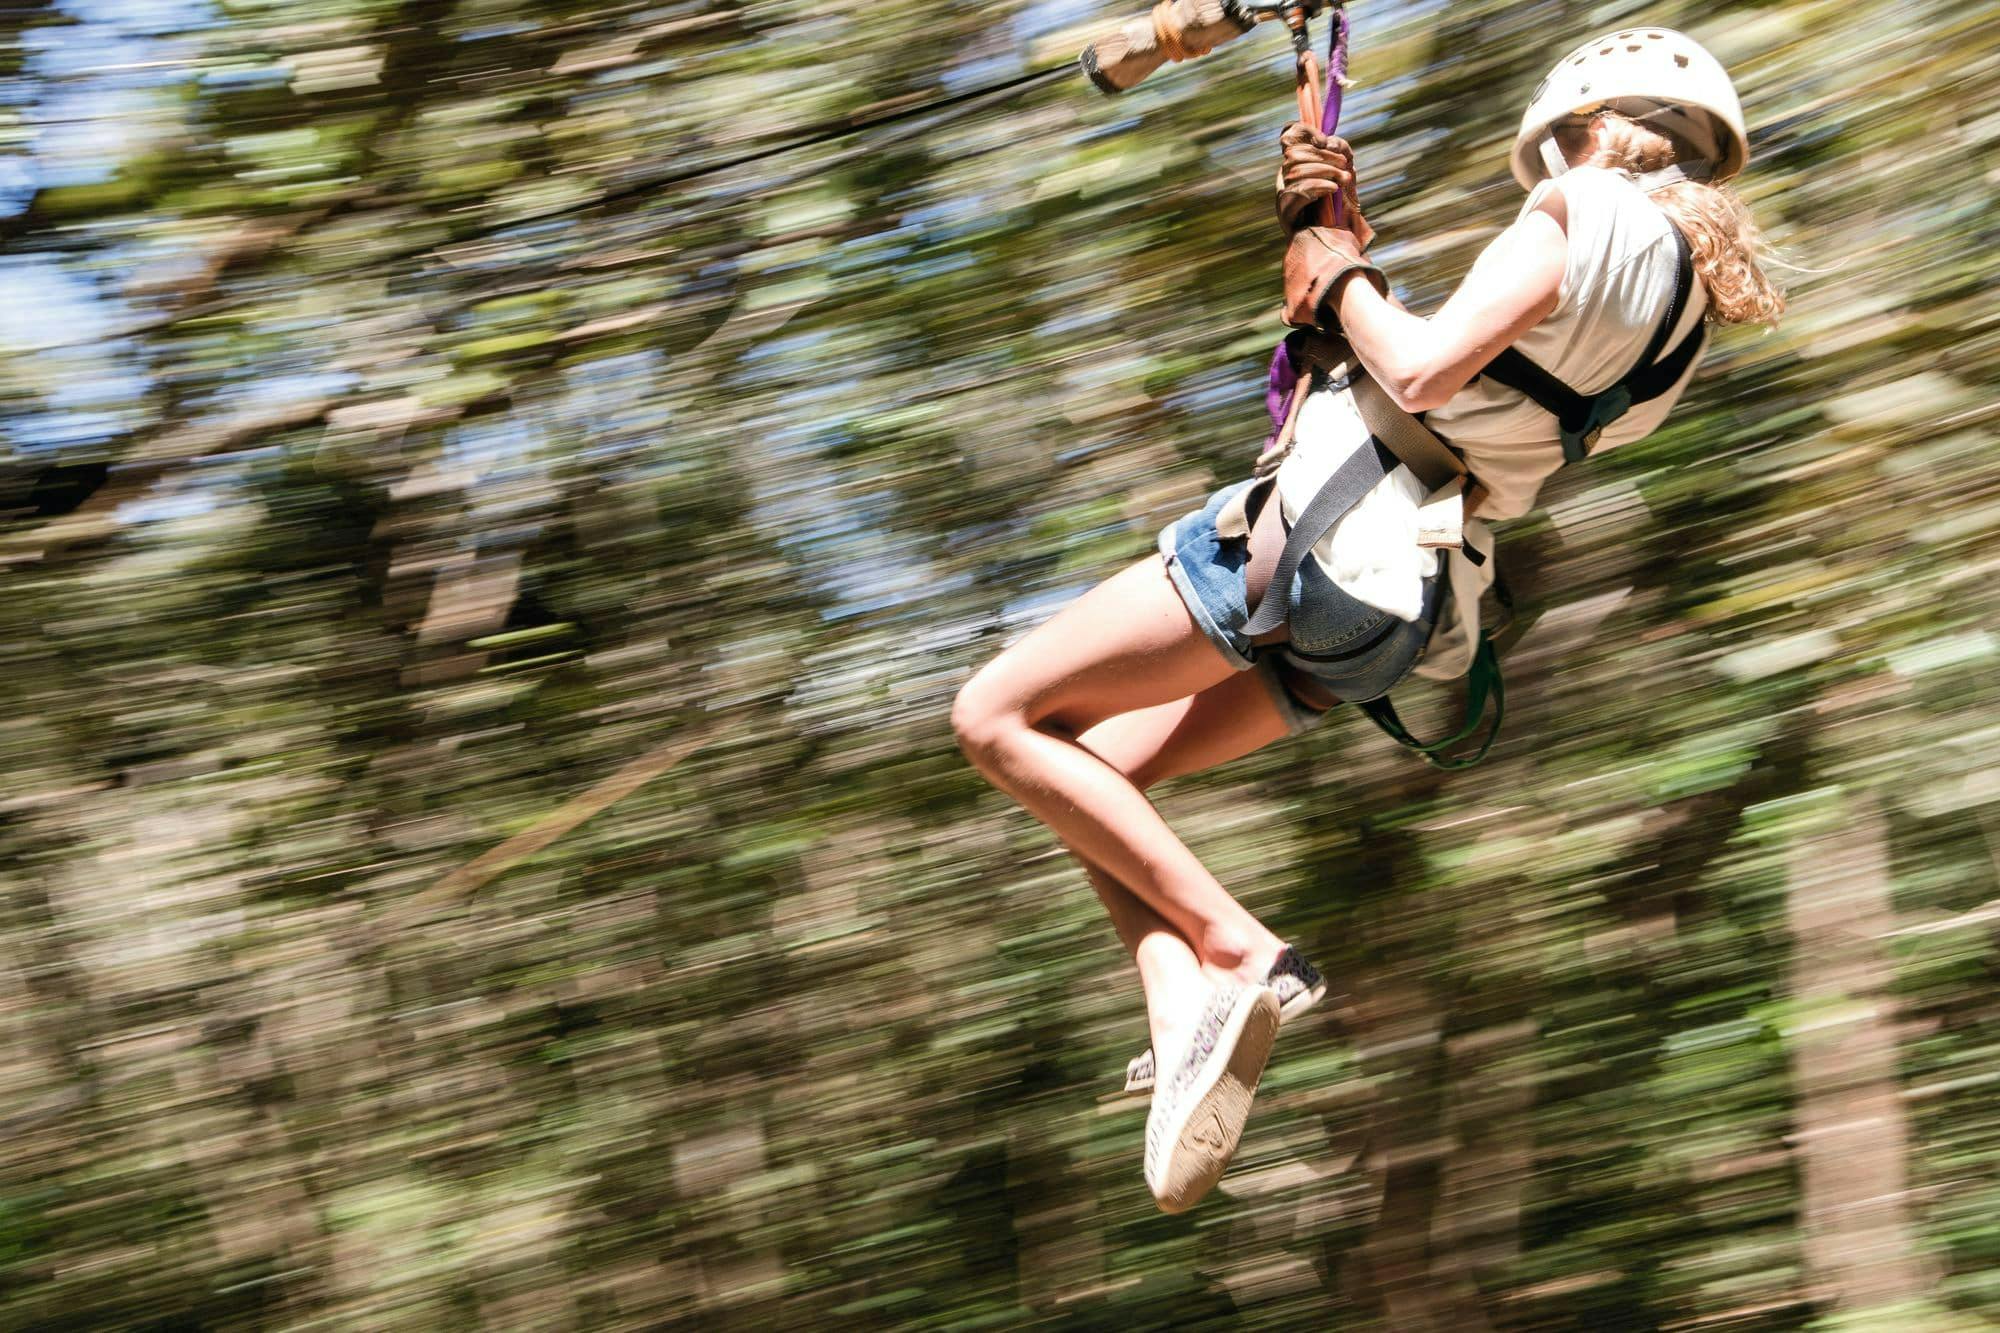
(1398, 438)
(1395, 437)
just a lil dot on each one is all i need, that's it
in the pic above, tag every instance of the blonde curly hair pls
(1717, 223)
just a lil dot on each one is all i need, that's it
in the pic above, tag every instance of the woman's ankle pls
(1171, 974)
(1240, 956)
(1171, 1017)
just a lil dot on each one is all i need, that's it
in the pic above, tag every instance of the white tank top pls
(1617, 284)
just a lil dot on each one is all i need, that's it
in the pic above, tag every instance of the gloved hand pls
(1318, 167)
(1314, 262)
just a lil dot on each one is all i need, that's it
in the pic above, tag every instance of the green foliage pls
(450, 477)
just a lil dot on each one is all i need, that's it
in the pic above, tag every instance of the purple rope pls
(1284, 373)
(1336, 70)
(1278, 387)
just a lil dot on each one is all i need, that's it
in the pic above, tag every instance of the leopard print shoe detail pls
(1197, 1119)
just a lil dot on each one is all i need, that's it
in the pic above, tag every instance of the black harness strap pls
(1582, 418)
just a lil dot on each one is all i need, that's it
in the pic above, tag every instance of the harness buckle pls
(1610, 405)
(1599, 412)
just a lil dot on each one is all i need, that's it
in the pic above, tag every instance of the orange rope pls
(1309, 103)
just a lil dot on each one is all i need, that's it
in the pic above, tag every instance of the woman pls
(1151, 674)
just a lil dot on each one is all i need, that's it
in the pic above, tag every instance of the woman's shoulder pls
(1603, 208)
(1610, 190)
(1590, 189)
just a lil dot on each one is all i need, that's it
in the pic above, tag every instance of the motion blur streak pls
(481, 843)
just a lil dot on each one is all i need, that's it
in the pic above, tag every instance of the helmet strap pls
(1553, 160)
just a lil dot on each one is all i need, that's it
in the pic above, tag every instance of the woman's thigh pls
(1128, 643)
(1223, 722)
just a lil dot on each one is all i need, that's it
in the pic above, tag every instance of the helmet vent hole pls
(1633, 47)
(1681, 60)
(1653, 36)
(1623, 35)
(1605, 52)
(1577, 61)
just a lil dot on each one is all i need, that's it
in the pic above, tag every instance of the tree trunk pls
(1852, 1139)
(1417, 1281)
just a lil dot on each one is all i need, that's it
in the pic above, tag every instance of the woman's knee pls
(983, 717)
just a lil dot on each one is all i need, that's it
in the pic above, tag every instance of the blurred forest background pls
(481, 843)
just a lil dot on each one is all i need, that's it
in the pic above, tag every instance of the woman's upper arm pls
(1513, 286)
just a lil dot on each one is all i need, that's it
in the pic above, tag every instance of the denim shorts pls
(1354, 651)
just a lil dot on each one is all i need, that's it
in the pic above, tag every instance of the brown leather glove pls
(1316, 260)
(1318, 167)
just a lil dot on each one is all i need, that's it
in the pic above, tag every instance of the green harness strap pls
(1482, 682)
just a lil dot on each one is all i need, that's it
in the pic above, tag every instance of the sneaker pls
(1298, 984)
(1197, 1117)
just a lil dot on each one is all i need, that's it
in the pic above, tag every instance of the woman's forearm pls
(1397, 347)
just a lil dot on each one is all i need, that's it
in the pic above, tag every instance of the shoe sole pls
(1212, 1117)
(1287, 1011)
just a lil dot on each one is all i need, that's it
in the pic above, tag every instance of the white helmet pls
(1655, 74)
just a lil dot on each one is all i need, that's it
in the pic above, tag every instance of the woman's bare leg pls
(1149, 745)
(1127, 644)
